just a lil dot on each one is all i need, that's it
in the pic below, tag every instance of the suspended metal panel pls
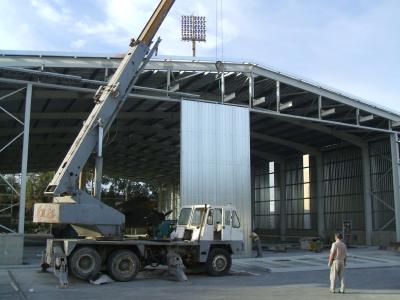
(215, 158)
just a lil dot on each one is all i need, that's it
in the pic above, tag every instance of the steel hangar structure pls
(295, 158)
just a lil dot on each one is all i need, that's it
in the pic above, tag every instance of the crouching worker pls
(337, 263)
(256, 240)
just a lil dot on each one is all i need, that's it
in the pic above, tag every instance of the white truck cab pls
(209, 223)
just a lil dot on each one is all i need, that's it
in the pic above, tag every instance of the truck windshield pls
(184, 216)
(197, 216)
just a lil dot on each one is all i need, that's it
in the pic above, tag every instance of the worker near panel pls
(256, 240)
(337, 263)
(174, 234)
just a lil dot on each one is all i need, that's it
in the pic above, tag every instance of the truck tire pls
(84, 263)
(123, 265)
(219, 262)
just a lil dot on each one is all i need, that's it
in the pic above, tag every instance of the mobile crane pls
(101, 243)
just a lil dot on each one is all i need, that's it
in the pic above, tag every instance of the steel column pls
(367, 194)
(394, 145)
(253, 197)
(98, 170)
(320, 195)
(278, 96)
(282, 197)
(222, 86)
(251, 89)
(24, 165)
(319, 107)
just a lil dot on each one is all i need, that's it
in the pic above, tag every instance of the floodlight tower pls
(194, 30)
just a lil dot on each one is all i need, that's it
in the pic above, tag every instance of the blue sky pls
(353, 46)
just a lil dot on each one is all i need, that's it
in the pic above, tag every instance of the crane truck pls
(206, 235)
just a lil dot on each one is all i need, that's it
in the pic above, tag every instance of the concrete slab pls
(295, 261)
(380, 283)
(11, 249)
(292, 275)
(6, 290)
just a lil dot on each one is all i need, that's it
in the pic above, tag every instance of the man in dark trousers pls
(256, 240)
(337, 263)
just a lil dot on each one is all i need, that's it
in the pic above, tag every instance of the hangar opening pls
(318, 159)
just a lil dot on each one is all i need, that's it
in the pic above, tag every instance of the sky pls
(352, 46)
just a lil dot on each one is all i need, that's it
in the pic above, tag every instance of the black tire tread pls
(211, 255)
(114, 273)
(73, 258)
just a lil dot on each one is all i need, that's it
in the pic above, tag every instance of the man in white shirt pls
(337, 262)
(174, 235)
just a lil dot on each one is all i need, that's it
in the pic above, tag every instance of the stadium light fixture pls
(193, 30)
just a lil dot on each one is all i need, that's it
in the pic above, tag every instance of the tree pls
(35, 187)
(122, 189)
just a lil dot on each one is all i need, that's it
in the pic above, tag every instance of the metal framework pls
(289, 117)
(25, 146)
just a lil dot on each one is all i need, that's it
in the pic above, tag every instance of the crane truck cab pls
(209, 223)
(216, 231)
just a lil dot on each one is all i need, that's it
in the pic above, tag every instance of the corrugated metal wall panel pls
(265, 217)
(381, 185)
(297, 218)
(215, 158)
(343, 188)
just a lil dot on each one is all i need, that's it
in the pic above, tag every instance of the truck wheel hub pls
(219, 263)
(86, 263)
(126, 265)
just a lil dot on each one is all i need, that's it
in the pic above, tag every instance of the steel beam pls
(139, 128)
(24, 165)
(394, 146)
(134, 115)
(67, 61)
(12, 141)
(288, 117)
(298, 146)
(350, 138)
(12, 93)
(161, 98)
(93, 91)
(267, 156)
(367, 194)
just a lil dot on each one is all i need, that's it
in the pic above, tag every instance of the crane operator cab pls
(209, 223)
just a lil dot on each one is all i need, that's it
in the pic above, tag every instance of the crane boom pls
(71, 205)
(109, 100)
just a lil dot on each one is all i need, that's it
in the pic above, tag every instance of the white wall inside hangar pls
(215, 158)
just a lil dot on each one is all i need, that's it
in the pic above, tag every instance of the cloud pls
(50, 11)
(78, 44)
(353, 45)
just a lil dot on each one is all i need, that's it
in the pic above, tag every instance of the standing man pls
(337, 262)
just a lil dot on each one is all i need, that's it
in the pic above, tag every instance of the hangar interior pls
(318, 157)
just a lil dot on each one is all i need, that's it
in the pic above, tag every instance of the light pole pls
(193, 29)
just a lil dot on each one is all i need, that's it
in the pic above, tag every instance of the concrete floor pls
(373, 274)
